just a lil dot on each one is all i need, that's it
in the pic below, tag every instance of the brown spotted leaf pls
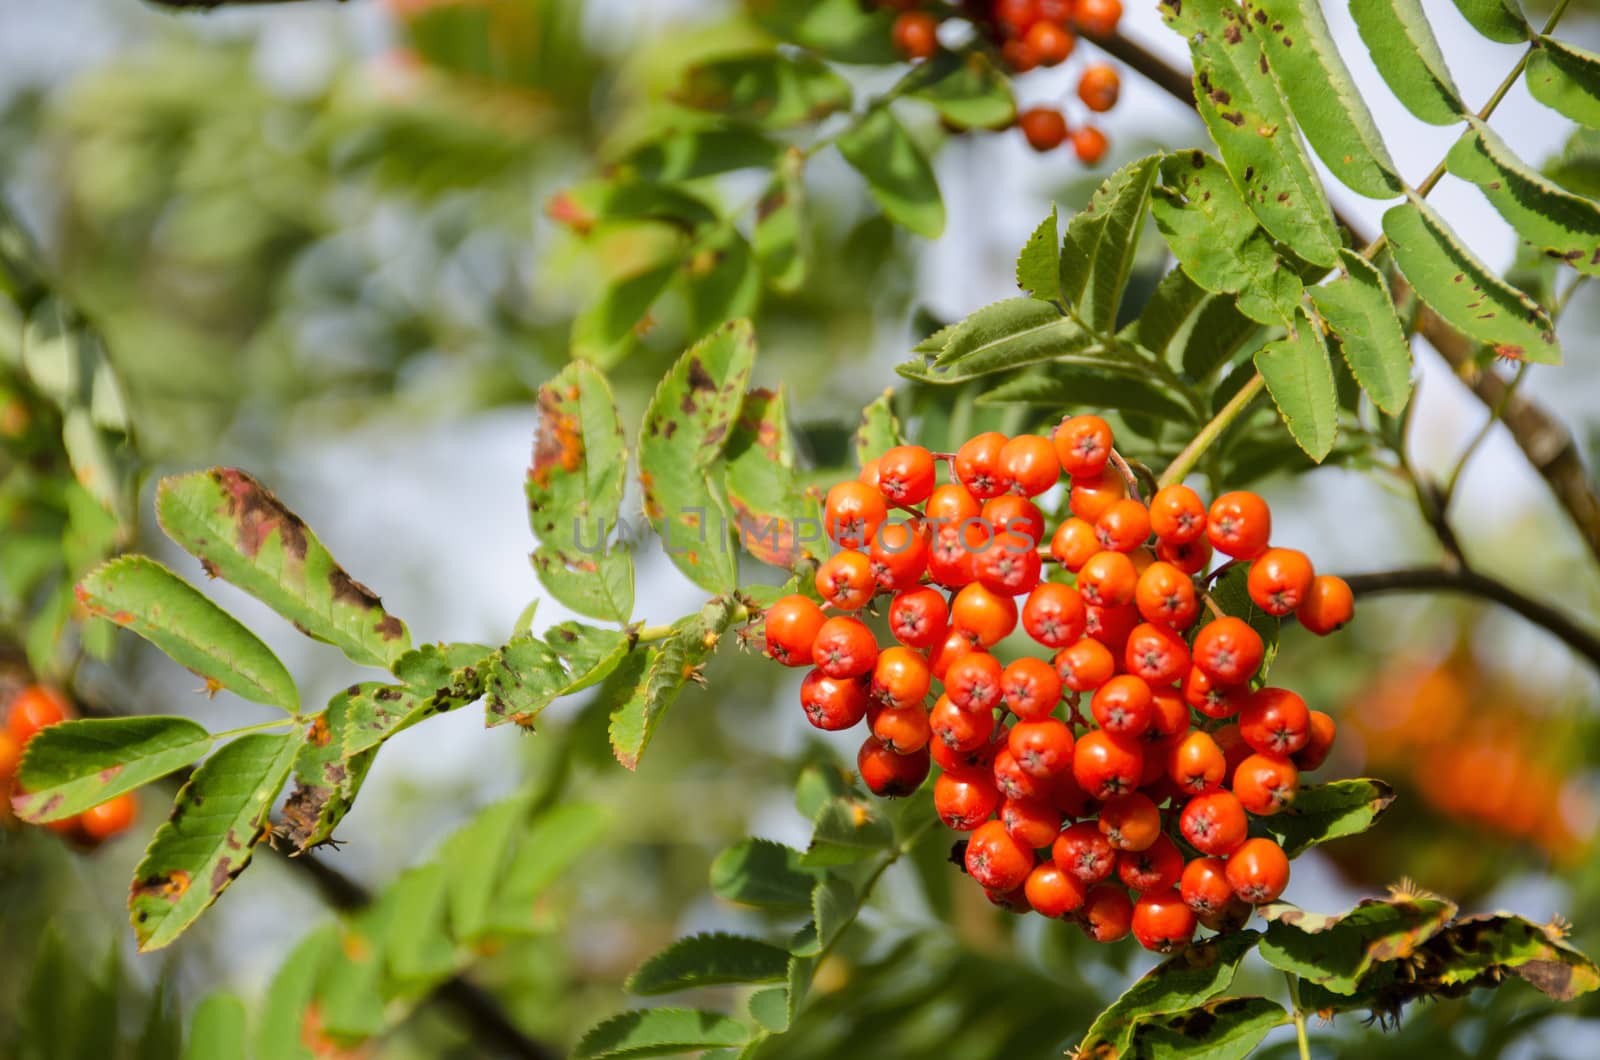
(1336, 951)
(435, 679)
(1226, 1029)
(525, 675)
(70, 767)
(217, 819)
(774, 515)
(1475, 945)
(664, 669)
(1242, 103)
(1462, 290)
(574, 487)
(685, 431)
(242, 533)
(325, 779)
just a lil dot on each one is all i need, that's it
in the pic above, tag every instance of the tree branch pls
(1468, 582)
(1548, 446)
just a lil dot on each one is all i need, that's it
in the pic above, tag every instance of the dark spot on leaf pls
(169, 886)
(390, 628)
(1221, 97)
(1249, 173)
(302, 812)
(388, 694)
(347, 590)
(1235, 118)
(1261, 16)
(256, 513)
(699, 378)
(1231, 33)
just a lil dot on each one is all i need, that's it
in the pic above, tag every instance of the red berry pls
(1015, 782)
(1123, 706)
(916, 35)
(1084, 666)
(1275, 721)
(1214, 823)
(1197, 765)
(1053, 615)
(1082, 852)
(1030, 687)
(110, 818)
(1030, 462)
(1156, 654)
(1045, 128)
(1204, 886)
(845, 580)
(35, 707)
(1106, 766)
(901, 677)
(1239, 525)
(1177, 514)
(1258, 871)
(791, 627)
(1130, 822)
(833, 703)
(977, 465)
(1157, 867)
(1089, 144)
(1280, 580)
(906, 474)
(1228, 651)
(1319, 741)
(1033, 822)
(960, 730)
(973, 681)
(1098, 18)
(1210, 698)
(1016, 514)
(918, 617)
(844, 647)
(1051, 892)
(899, 555)
(1009, 566)
(1123, 526)
(1265, 784)
(1329, 604)
(953, 646)
(1161, 921)
(1107, 913)
(852, 514)
(1042, 748)
(890, 775)
(995, 860)
(1098, 87)
(1050, 42)
(964, 799)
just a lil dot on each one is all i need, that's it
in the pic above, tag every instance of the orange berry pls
(1319, 741)
(833, 703)
(1280, 580)
(1275, 721)
(1177, 514)
(973, 681)
(906, 474)
(1161, 922)
(1044, 128)
(964, 799)
(918, 618)
(1030, 687)
(1108, 580)
(898, 557)
(1155, 868)
(1123, 526)
(995, 860)
(1107, 913)
(1098, 18)
(1083, 445)
(1098, 87)
(986, 616)
(977, 465)
(110, 818)
(791, 627)
(1166, 596)
(845, 580)
(1051, 892)
(1214, 823)
(1014, 514)
(1197, 764)
(903, 730)
(1050, 42)
(1228, 650)
(1204, 886)
(1030, 462)
(1092, 494)
(1105, 765)
(891, 775)
(1130, 822)
(1329, 604)
(35, 707)
(1258, 871)
(1073, 543)
(901, 677)
(844, 647)
(916, 35)
(951, 505)
(1084, 666)
(960, 730)
(1054, 615)
(853, 513)
(1239, 525)
(1089, 144)
(1084, 853)
(1265, 784)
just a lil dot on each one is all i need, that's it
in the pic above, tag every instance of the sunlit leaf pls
(896, 171)
(1300, 380)
(1358, 307)
(1566, 79)
(1403, 48)
(74, 765)
(1101, 243)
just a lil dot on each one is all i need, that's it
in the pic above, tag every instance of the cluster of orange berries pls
(1030, 34)
(36, 707)
(1152, 794)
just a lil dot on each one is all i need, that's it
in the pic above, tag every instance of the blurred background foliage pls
(314, 241)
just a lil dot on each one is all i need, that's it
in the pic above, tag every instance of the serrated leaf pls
(279, 1032)
(69, 767)
(1039, 263)
(1335, 951)
(1101, 242)
(1321, 813)
(1175, 985)
(834, 906)
(217, 819)
(713, 959)
(1002, 336)
(326, 775)
(685, 430)
(1324, 97)
(768, 87)
(762, 873)
(896, 171)
(1217, 240)
(1462, 290)
(574, 489)
(659, 1032)
(139, 594)
(1566, 79)
(1499, 20)
(217, 1029)
(838, 29)
(1561, 225)
(1474, 945)
(435, 679)
(1300, 380)
(779, 238)
(1063, 386)
(770, 1008)
(847, 829)
(1404, 50)
(525, 675)
(878, 431)
(1358, 307)
(667, 666)
(769, 505)
(1227, 1029)
(1242, 104)
(242, 533)
(965, 88)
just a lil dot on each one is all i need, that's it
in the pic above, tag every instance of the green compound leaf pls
(574, 489)
(1177, 984)
(1358, 308)
(606, 330)
(528, 673)
(1324, 812)
(1405, 52)
(660, 1032)
(662, 671)
(546, 850)
(1566, 79)
(685, 430)
(217, 819)
(1039, 263)
(965, 88)
(1062, 386)
(1217, 241)
(1300, 379)
(843, 30)
(1226, 1029)
(242, 533)
(1463, 291)
(1499, 20)
(767, 88)
(1324, 97)
(139, 594)
(779, 237)
(1101, 242)
(878, 431)
(896, 171)
(1002, 336)
(769, 505)
(1559, 224)
(1242, 104)
(691, 153)
(70, 767)
(713, 959)
(1335, 951)
(325, 778)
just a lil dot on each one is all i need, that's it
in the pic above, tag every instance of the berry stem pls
(1128, 476)
(1299, 1016)
(1185, 461)
(229, 734)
